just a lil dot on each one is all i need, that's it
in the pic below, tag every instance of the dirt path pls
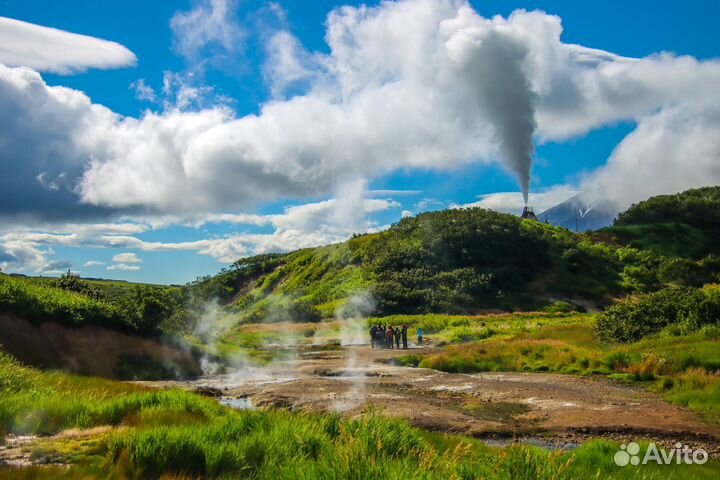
(557, 408)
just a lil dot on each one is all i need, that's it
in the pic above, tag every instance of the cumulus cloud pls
(51, 50)
(19, 255)
(126, 258)
(123, 266)
(384, 98)
(208, 32)
(513, 202)
(93, 263)
(670, 151)
(27, 248)
(455, 88)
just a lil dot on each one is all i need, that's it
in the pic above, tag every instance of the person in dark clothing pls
(373, 335)
(403, 333)
(390, 334)
(397, 337)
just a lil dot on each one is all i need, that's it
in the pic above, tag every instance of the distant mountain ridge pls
(579, 213)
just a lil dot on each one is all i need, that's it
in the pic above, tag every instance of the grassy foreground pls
(183, 435)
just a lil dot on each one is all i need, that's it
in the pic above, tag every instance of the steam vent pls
(528, 213)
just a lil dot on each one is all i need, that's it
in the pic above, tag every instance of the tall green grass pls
(176, 434)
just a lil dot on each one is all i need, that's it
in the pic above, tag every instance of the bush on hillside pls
(635, 317)
(72, 282)
(696, 207)
(42, 303)
(147, 311)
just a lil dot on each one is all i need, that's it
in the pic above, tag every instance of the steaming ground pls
(557, 409)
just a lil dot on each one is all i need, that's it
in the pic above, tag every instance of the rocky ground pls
(546, 409)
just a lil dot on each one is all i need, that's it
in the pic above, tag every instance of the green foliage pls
(559, 307)
(635, 317)
(686, 224)
(454, 261)
(144, 367)
(72, 301)
(72, 282)
(696, 207)
(149, 310)
(39, 302)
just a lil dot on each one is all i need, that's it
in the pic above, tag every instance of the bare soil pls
(87, 350)
(547, 408)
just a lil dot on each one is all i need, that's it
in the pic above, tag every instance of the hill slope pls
(685, 224)
(449, 261)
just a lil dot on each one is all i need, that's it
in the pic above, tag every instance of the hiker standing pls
(390, 333)
(420, 335)
(397, 337)
(404, 335)
(373, 335)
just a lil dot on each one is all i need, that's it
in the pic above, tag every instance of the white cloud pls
(93, 263)
(208, 32)
(143, 91)
(429, 204)
(512, 202)
(670, 151)
(300, 226)
(126, 258)
(123, 266)
(384, 98)
(26, 248)
(51, 50)
(288, 65)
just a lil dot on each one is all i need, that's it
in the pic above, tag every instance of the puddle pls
(495, 411)
(548, 402)
(546, 444)
(452, 388)
(243, 403)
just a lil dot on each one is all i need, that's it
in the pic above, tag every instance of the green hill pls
(450, 261)
(685, 224)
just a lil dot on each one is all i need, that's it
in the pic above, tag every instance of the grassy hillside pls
(109, 289)
(453, 261)
(460, 261)
(685, 224)
(72, 301)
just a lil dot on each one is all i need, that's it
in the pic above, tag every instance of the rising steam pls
(493, 67)
(353, 331)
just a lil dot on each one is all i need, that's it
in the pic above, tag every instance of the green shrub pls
(39, 302)
(559, 307)
(688, 309)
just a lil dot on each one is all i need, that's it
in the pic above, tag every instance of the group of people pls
(382, 336)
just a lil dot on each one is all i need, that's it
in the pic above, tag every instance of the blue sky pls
(233, 73)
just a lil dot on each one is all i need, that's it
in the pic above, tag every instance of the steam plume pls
(494, 67)
(353, 331)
